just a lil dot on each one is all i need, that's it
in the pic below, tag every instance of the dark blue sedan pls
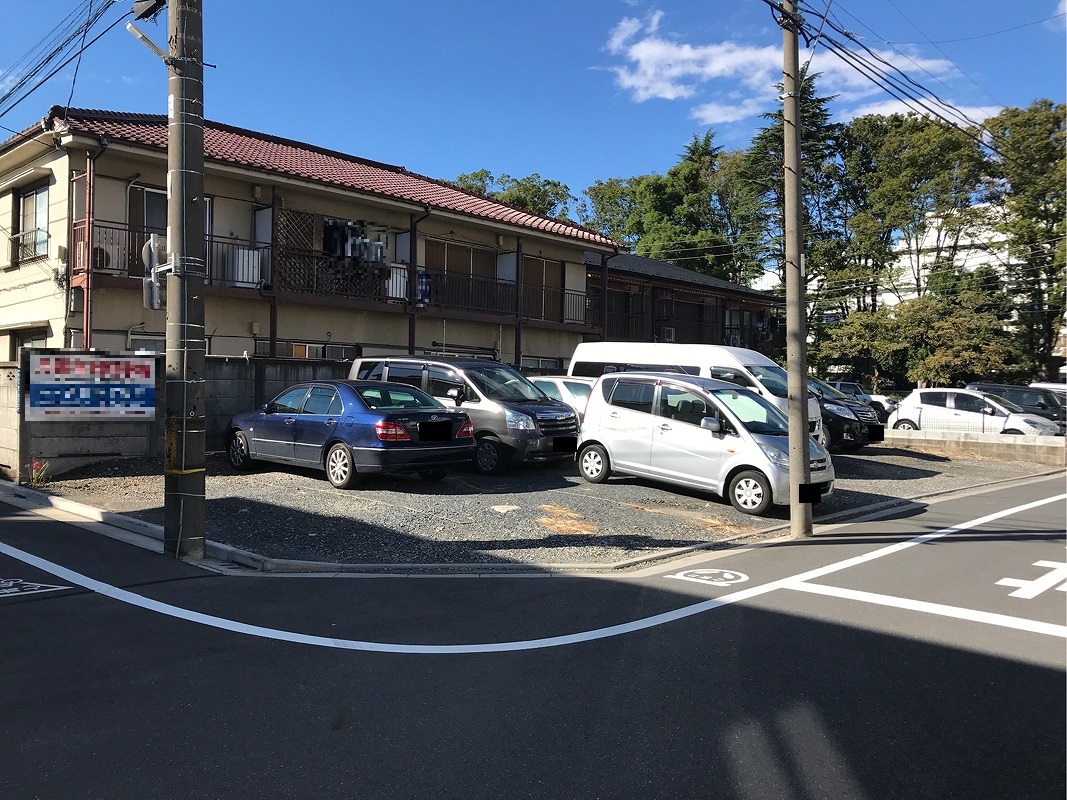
(352, 428)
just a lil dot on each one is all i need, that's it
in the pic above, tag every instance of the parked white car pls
(571, 389)
(884, 405)
(700, 433)
(852, 388)
(965, 410)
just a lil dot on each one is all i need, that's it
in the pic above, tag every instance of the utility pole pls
(185, 459)
(795, 328)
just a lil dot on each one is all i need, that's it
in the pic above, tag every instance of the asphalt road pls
(920, 655)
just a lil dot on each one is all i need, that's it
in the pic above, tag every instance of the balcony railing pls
(30, 244)
(243, 264)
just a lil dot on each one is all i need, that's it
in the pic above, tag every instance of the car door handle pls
(665, 427)
(290, 420)
(329, 421)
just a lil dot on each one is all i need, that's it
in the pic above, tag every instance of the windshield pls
(752, 411)
(498, 382)
(773, 378)
(1003, 402)
(826, 390)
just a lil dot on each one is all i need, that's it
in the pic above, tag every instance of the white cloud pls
(742, 78)
(962, 116)
(721, 113)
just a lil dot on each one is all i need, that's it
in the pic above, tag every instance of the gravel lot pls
(540, 515)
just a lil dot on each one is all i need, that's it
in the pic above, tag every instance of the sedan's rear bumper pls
(411, 459)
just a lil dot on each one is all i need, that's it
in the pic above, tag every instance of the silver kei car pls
(696, 432)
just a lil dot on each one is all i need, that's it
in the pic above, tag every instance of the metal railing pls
(30, 244)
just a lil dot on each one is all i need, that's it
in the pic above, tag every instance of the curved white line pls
(148, 604)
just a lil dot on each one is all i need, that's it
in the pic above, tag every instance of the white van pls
(735, 364)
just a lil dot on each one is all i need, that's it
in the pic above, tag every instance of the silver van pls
(737, 365)
(696, 432)
(514, 421)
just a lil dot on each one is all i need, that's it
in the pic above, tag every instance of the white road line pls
(493, 647)
(940, 609)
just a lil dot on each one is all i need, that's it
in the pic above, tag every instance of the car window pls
(411, 374)
(682, 405)
(549, 388)
(934, 399)
(970, 403)
(289, 401)
(440, 380)
(581, 391)
(634, 395)
(755, 413)
(500, 382)
(396, 398)
(774, 378)
(323, 400)
(370, 370)
(731, 375)
(1003, 403)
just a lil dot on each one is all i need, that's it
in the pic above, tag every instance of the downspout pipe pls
(413, 274)
(90, 215)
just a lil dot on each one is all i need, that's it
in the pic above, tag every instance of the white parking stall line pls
(940, 609)
(646, 623)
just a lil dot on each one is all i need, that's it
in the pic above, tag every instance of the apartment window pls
(32, 235)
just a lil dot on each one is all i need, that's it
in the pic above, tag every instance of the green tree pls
(1027, 183)
(538, 195)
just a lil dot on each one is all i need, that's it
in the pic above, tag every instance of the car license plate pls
(565, 444)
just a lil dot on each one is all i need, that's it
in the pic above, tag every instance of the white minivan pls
(734, 364)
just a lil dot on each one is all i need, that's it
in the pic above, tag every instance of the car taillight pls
(466, 431)
(391, 432)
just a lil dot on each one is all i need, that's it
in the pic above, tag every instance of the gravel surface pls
(540, 515)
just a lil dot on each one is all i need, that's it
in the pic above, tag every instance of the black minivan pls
(1032, 399)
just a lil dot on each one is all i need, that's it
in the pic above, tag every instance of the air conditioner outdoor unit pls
(666, 334)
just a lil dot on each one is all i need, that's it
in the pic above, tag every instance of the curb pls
(281, 566)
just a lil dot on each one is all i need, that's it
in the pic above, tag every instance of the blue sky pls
(575, 92)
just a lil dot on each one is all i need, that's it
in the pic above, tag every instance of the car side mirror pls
(266, 408)
(710, 424)
(457, 394)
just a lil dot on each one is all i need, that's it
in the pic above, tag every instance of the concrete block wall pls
(1051, 450)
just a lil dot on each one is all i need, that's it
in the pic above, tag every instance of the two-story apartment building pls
(310, 253)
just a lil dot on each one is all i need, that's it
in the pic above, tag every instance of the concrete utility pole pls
(795, 328)
(185, 460)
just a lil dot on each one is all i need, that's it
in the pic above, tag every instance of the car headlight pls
(521, 422)
(777, 457)
(840, 411)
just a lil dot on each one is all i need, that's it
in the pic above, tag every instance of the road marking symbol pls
(1028, 590)
(716, 577)
(645, 623)
(9, 587)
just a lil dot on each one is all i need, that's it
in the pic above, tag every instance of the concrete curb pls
(280, 566)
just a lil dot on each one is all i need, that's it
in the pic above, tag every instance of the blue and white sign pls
(62, 386)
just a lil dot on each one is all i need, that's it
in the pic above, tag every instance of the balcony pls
(234, 263)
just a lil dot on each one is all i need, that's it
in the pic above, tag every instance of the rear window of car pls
(396, 398)
(370, 370)
(634, 395)
(934, 398)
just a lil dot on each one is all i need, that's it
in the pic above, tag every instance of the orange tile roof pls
(262, 152)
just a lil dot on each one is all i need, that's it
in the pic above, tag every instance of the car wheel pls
(750, 492)
(1013, 432)
(432, 474)
(905, 425)
(593, 464)
(491, 457)
(340, 470)
(240, 459)
(879, 409)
